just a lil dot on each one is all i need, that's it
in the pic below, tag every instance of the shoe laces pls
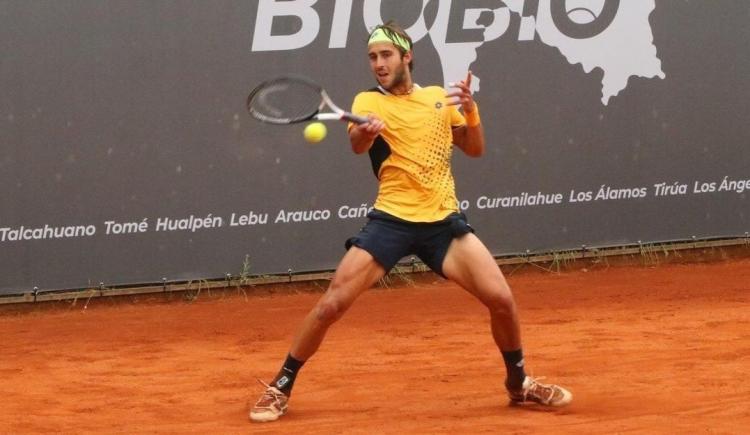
(542, 391)
(269, 397)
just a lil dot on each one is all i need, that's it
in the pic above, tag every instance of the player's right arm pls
(362, 136)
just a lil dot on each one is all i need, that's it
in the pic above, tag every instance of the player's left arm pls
(470, 136)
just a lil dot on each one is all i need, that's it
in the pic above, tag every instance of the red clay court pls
(660, 349)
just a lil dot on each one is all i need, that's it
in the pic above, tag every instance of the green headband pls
(379, 35)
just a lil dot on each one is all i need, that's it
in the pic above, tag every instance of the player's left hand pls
(462, 94)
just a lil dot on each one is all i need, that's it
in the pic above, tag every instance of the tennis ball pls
(315, 132)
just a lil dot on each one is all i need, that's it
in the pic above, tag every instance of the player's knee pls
(329, 311)
(501, 304)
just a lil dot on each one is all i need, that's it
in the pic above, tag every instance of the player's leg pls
(357, 272)
(469, 264)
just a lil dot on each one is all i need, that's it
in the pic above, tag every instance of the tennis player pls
(410, 139)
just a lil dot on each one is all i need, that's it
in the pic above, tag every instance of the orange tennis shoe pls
(543, 394)
(271, 405)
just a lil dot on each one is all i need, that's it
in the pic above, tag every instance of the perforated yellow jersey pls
(412, 156)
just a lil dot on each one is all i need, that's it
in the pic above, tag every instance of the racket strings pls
(285, 100)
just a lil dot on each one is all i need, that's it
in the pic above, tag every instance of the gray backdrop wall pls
(127, 154)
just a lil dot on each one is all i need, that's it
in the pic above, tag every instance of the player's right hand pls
(362, 136)
(372, 128)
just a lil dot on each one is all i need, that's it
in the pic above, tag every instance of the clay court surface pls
(645, 349)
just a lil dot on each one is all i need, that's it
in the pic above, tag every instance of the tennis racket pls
(292, 99)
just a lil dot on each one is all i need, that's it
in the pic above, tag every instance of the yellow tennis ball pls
(315, 132)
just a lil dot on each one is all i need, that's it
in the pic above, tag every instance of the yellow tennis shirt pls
(412, 155)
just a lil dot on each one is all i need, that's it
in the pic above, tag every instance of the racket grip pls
(354, 118)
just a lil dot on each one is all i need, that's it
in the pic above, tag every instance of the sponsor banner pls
(128, 156)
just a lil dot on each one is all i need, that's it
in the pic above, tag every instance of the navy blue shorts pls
(389, 239)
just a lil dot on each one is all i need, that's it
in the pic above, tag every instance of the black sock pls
(514, 368)
(284, 380)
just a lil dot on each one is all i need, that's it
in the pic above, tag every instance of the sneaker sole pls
(265, 417)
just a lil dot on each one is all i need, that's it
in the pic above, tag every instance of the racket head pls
(286, 100)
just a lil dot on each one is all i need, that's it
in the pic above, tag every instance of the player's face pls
(391, 70)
